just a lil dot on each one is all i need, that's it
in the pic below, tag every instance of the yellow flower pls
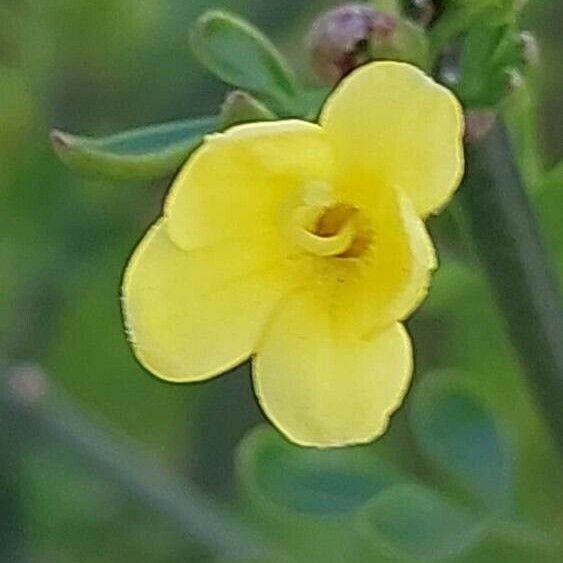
(303, 246)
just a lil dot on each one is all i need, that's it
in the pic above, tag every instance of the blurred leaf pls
(16, 111)
(414, 523)
(318, 482)
(145, 153)
(239, 54)
(467, 331)
(70, 511)
(457, 433)
(91, 360)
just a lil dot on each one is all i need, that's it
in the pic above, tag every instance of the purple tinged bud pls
(341, 39)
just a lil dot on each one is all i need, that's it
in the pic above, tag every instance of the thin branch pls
(509, 243)
(194, 514)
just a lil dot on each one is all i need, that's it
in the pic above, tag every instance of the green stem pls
(198, 518)
(509, 243)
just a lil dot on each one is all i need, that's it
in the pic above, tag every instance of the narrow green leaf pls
(461, 437)
(240, 55)
(414, 523)
(308, 481)
(145, 153)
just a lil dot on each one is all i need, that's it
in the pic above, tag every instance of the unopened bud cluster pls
(341, 39)
(353, 34)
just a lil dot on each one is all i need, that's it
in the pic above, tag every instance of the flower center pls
(336, 230)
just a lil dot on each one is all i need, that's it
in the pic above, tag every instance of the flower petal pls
(323, 386)
(233, 185)
(391, 284)
(192, 315)
(390, 122)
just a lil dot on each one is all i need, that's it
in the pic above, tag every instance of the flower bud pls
(351, 35)
(341, 39)
(241, 107)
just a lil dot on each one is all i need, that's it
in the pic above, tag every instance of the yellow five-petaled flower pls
(303, 246)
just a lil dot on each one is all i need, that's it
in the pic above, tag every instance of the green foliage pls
(460, 15)
(469, 333)
(461, 437)
(146, 153)
(240, 55)
(315, 482)
(491, 63)
(16, 109)
(357, 497)
(414, 523)
(474, 448)
(63, 498)
(498, 10)
(91, 329)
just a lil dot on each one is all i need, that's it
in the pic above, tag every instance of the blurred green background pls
(99, 67)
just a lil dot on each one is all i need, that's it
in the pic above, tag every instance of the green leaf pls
(309, 481)
(145, 153)
(240, 55)
(461, 437)
(414, 523)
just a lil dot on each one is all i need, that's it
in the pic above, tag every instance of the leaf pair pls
(236, 53)
(387, 511)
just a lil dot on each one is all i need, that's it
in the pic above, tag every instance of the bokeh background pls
(103, 66)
